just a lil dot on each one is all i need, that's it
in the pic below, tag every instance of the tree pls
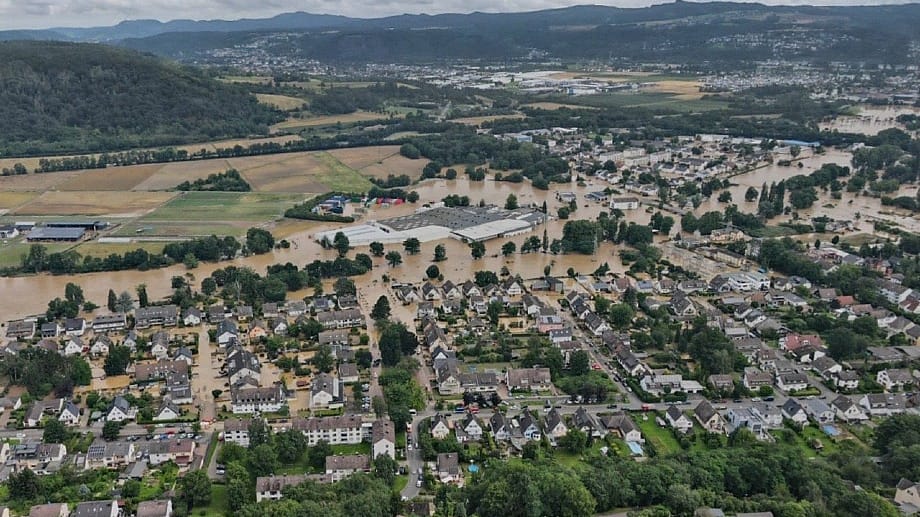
(316, 456)
(195, 489)
(394, 258)
(725, 197)
(750, 194)
(259, 433)
(621, 315)
(579, 237)
(263, 460)
(385, 468)
(579, 363)
(74, 293)
(440, 253)
(379, 405)
(259, 241)
(117, 361)
(24, 485)
(323, 359)
(494, 311)
(450, 174)
(574, 441)
(511, 202)
(477, 250)
(432, 271)
(341, 244)
(412, 246)
(290, 445)
(55, 431)
(208, 286)
(376, 249)
(110, 430)
(142, 299)
(508, 248)
(112, 302)
(344, 286)
(794, 151)
(381, 310)
(484, 278)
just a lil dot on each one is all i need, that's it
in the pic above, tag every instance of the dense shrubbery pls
(229, 181)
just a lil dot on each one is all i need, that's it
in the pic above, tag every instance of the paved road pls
(413, 459)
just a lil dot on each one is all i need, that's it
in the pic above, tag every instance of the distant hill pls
(65, 97)
(680, 32)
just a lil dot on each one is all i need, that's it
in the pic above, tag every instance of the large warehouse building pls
(466, 223)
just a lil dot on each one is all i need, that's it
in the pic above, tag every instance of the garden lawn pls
(660, 438)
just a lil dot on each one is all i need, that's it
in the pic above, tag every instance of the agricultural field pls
(650, 99)
(34, 182)
(11, 253)
(104, 249)
(380, 161)
(552, 106)
(13, 199)
(476, 121)
(221, 207)
(361, 157)
(110, 179)
(327, 120)
(93, 203)
(282, 102)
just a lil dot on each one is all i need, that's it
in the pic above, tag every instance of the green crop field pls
(217, 207)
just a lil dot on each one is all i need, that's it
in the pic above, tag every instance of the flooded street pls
(24, 296)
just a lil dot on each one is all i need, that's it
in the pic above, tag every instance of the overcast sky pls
(16, 14)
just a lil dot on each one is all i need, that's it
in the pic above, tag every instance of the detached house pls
(709, 418)
(383, 438)
(327, 392)
(846, 410)
(678, 420)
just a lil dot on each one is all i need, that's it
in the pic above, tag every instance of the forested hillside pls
(64, 97)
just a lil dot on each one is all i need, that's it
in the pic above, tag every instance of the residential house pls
(554, 424)
(101, 346)
(883, 404)
(499, 426)
(818, 411)
(191, 317)
(50, 510)
(846, 410)
(155, 508)
(334, 337)
(709, 418)
(20, 329)
(469, 427)
(334, 430)
(348, 372)
(448, 468)
(629, 362)
(430, 292)
(678, 420)
(184, 354)
(227, 333)
(159, 345)
(51, 329)
(236, 431)
(529, 426)
(70, 414)
(120, 410)
(596, 324)
(587, 423)
(109, 455)
(907, 497)
(165, 315)
(792, 381)
(159, 370)
(793, 411)
(271, 488)
(327, 392)
(74, 326)
(895, 378)
(167, 412)
(383, 438)
(682, 306)
(348, 318)
(533, 379)
(847, 380)
(243, 365)
(440, 427)
(340, 467)
(722, 382)
(257, 400)
(107, 322)
(96, 509)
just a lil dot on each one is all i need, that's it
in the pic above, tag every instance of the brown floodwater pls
(24, 296)
(870, 120)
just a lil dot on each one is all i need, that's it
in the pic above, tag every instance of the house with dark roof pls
(709, 418)
(383, 438)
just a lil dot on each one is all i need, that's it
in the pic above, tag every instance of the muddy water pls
(845, 209)
(23, 296)
(870, 120)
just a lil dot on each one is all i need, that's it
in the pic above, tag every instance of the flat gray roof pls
(46, 233)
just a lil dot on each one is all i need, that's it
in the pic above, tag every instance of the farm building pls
(55, 234)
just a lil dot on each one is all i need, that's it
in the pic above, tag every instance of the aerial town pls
(650, 290)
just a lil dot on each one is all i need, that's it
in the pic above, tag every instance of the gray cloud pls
(69, 13)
